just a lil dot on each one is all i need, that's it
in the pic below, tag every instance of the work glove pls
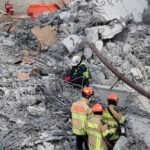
(67, 78)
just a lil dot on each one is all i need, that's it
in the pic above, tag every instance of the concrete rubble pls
(35, 105)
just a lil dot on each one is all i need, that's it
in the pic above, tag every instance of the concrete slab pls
(103, 91)
(108, 32)
(142, 103)
(122, 8)
(71, 42)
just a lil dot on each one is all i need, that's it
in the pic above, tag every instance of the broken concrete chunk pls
(127, 48)
(35, 110)
(40, 147)
(92, 34)
(48, 146)
(71, 42)
(108, 32)
(136, 73)
(99, 45)
(46, 35)
(8, 42)
(87, 53)
(147, 61)
(140, 127)
(144, 103)
(121, 143)
(2, 38)
(109, 10)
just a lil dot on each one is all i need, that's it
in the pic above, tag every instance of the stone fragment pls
(99, 45)
(144, 103)
(87, 53)
(40, 147)
(141, 129)
(2, 38)
(106, 10)
(136, 73)
(71, 42)
(48, 146)
(92, 34)
(127, 48)
(36, 111)
(8, 42)
(110, 46)
(117, 61)
(121, 143)
(29, 100)
(20, 123)
(147, 61)
(108, 32)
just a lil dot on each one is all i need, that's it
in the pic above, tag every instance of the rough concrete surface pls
(35, 101)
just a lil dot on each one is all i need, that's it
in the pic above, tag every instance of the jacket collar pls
(99, 116)
(84, 100)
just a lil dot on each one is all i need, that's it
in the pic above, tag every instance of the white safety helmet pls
(76, 60)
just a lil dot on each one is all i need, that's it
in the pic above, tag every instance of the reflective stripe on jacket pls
(96, 133)
(86, 73)
(80, 113)
(111, 121)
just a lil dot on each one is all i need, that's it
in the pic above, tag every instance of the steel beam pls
(117, 73)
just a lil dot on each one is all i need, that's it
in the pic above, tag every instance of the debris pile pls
(35, 55)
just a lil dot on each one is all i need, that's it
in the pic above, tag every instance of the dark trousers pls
(80, 140)
(81, 81)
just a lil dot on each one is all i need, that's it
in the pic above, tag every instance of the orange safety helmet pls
(97, 108)
(88, 91)
(113, 97)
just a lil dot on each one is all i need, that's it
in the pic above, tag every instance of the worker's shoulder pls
(114, 109)
(83, 65)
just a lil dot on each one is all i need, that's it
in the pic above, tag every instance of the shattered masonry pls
(34, 100)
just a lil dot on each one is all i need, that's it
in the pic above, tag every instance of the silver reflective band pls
(122, 130)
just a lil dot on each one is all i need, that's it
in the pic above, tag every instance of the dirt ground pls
(21, 6)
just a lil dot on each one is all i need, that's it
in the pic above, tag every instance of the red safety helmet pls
(88, 91)
(97, 108)
(113, 97)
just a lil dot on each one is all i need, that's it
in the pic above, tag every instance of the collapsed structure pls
(35, 102)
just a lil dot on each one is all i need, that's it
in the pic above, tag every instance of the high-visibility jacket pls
(97, 130)
(80, 113)
(107, 118)
(85, 73)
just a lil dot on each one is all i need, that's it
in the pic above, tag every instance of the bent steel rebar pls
(117, 73)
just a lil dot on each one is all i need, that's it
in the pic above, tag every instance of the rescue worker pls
(11, 9)
(79, 74)
(109, 119)
(80, 112)
(7, 7)
(97, 130)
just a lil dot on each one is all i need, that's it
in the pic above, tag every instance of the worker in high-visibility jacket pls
(80, 112)
(109, 119)
(79, 74)
(97, 130)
